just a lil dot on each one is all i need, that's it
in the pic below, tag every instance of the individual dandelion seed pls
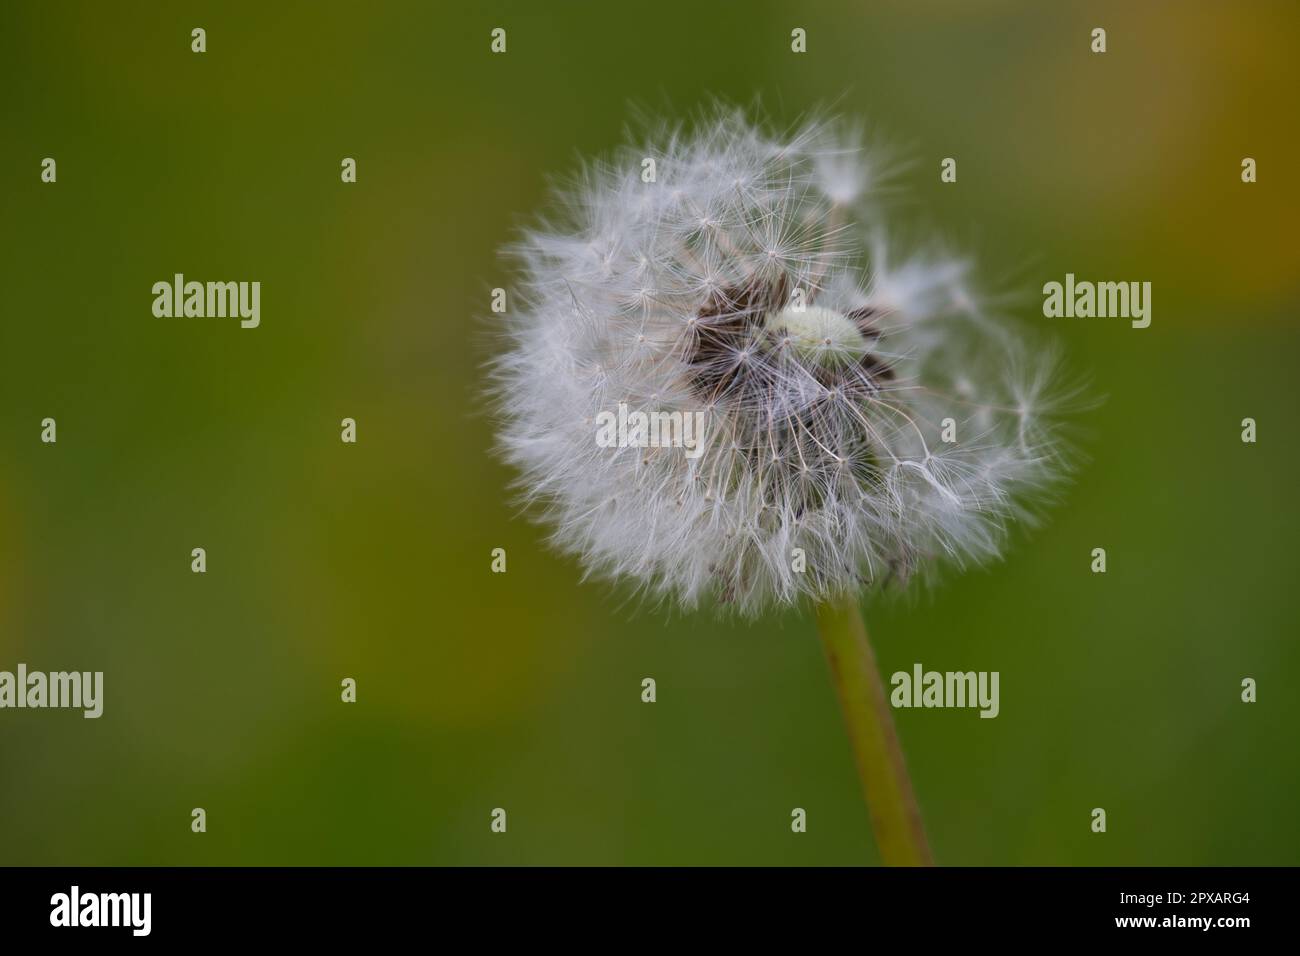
(863, 418)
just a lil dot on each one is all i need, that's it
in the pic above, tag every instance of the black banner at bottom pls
(1172, 906)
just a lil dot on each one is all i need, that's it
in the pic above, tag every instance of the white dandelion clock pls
(726, 385)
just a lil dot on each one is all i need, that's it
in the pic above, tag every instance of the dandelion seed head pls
(752, 282)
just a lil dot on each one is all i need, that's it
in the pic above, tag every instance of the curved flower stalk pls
(726, 383)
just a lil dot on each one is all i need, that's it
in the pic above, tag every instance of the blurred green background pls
(522, 690)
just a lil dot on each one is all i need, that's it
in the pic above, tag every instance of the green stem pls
(895, 817)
